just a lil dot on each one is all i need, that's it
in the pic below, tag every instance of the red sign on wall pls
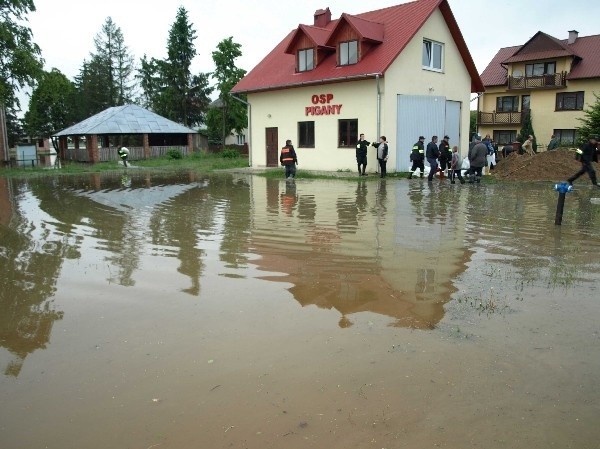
(321, 106)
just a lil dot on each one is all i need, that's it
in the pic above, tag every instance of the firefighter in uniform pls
(417, 157)
(445, 155)
(361, 155)
(587, 154)
(123, 154)
(288, 159)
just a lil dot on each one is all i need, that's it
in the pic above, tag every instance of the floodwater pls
(233, 311)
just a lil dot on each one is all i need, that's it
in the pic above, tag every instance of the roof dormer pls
(308, 44)
(353, 37)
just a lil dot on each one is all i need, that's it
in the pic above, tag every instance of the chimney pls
(322, 17)
(572, 36)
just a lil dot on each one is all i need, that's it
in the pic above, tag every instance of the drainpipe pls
(378, 107)
(378, 113)
(249, 126)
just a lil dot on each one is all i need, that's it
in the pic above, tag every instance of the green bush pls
(174, 154)
(230, 153)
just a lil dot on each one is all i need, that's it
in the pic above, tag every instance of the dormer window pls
(348, 52)
(306, 59)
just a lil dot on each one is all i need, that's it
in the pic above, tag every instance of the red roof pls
(585, 50)
(368, 30)
(399, 24)
(317, 35)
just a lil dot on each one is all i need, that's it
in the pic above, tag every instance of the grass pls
(199, 162)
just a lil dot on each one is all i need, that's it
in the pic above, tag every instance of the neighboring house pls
(401, 72)
(553, 80)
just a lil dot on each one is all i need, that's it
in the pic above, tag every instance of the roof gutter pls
(313, 82)
(249, 126)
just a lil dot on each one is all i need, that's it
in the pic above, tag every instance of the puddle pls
(176, 311)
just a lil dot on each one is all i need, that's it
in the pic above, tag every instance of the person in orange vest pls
(289, 159)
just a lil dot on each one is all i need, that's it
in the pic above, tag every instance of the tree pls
(590, 122)
(233, 113)
(20, 60)
(52, 106)
(107, 78)
(169, 88)
(527, 130)
(20, 57)
(473, 122)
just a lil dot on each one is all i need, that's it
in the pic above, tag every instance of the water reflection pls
(386, 247)
(352, 256)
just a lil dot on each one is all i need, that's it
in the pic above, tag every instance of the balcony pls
(554, 81)
(499, 118)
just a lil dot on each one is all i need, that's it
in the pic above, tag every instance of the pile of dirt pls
(556, 165)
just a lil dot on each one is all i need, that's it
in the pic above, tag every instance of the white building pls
(402, 72)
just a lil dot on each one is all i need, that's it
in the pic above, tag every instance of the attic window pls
(433, 55)
(348, 52)
(306, 60)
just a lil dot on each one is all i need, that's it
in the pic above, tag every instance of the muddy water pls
(232, 311)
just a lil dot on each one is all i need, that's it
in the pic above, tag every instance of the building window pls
(525, 103)
(566, 136)
(306, 134)
(505, 137)
(347, 133)
(241, 139)
(306, 60)
(507, 104)
(540, 68)
(348, 53)
(569, 101)
(433, 55)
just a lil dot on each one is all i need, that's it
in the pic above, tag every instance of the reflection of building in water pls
(364, 250)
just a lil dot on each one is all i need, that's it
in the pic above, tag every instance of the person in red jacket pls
(289, 159)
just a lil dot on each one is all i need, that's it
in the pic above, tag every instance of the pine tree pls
(527, 130)
(590, 122)
(169, 87)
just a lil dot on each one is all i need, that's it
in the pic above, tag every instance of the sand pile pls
(556, 165)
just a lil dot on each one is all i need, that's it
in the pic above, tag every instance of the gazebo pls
(146, 135)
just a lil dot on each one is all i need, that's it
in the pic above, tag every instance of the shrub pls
(230, 153)
(174, 154)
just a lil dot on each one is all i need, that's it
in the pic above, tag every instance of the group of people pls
(361, 155)
(441, 158)
(289, 159)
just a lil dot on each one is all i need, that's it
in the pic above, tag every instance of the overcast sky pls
(65, 29)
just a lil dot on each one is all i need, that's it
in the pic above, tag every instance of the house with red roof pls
(401, 71)
(553, 80)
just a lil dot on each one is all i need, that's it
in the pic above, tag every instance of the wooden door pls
(272, 147)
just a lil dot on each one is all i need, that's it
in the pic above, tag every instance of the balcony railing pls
(554, 81)
(499, 118)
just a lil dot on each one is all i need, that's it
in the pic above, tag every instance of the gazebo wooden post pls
(92, 147)
(146, 146)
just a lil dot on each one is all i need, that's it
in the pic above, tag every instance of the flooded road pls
(234, 311)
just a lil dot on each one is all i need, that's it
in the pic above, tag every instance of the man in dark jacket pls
(445, 155)
(288, 159)
(417, 157)
(477, 160)
(361, 155)
(432, 155)
(587, 154)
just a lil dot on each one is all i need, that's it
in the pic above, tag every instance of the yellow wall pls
(406, 76)
(284, 109)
